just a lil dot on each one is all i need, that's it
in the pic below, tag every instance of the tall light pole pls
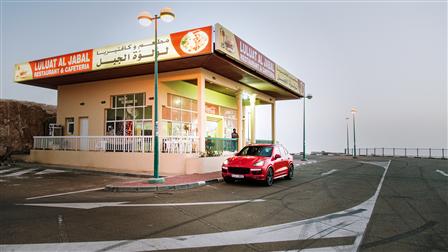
(309, 96)
(145, 19)
(348, 145)
(354, 132)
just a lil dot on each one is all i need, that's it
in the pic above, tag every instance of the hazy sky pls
(387, 59)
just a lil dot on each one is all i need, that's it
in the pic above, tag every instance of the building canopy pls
(230, 57)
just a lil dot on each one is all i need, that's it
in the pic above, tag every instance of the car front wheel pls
(269, 177)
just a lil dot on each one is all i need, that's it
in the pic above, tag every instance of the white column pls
(239, 118)
(243, 129)
(252, 118)
(274, 137)
(201, 112)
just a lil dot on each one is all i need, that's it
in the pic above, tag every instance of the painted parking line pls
(442, 172)
(21, 172)
(66, 193)
(351, 222)
(91, 205)
(49, 171)
(9, 170)
(305, 163)
(328, 172)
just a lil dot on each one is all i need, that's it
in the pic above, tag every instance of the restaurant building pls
(210, 81)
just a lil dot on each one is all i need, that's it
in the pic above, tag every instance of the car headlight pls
(259, 163)
(226, 162)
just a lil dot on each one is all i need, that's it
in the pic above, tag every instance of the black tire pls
(290, 172)
(269, 177)
(228, 180)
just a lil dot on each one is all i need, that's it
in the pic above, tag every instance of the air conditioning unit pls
(54, 129)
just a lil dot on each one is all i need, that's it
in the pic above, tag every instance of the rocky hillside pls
(19, 122)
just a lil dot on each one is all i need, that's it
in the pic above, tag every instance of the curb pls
(112, 188)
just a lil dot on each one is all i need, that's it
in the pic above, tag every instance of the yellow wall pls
(93, 93)
(173, 164)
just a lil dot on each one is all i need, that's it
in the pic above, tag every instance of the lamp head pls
(309, 96)
(167, 14)
(354, 110)
(144, 18)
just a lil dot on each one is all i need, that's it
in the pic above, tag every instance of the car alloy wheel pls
(269, 177)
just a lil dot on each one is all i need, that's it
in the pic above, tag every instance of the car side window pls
(277, 151)
(285, 152)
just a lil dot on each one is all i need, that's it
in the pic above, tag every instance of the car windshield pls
(263, 151)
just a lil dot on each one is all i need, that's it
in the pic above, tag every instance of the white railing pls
(402, 152)
(94, 143)
(179, 144)
(167, 144)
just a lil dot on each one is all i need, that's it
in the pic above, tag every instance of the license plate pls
(237, 176)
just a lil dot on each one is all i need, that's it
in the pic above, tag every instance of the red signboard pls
(61, 65)
(192, 42)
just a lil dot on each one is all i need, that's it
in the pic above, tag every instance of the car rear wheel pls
(290, 172)
(269, 177)
(228, 180)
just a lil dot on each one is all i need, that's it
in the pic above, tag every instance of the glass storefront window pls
(130, 100)
(175, 115)
(138, 113)
(139, 99)
(129, 116)
(148, 112)
(138, 128)
(119, 114)
(147, 128)
(211, 109)
(129, 128)
(120, 101)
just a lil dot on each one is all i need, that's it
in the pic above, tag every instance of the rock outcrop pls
(19, 122)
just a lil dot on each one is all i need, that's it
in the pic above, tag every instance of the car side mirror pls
(277, 156)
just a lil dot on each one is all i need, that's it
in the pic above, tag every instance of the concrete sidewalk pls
(178, 182)
(171, 183)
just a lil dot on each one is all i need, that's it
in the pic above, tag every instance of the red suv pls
(262, 162)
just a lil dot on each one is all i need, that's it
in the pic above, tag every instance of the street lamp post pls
(145, 19)
(354, 132)
(309, 96)
(348, 146)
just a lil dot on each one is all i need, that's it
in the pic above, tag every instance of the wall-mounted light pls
(82, 104)
(245, 96)
(103, 102)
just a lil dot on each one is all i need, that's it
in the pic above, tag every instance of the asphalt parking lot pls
(335, 204)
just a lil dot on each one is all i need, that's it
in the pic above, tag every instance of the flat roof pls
(183, 51)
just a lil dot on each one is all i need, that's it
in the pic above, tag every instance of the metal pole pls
(417, 152)
(393, 152)
(156, 103)
(405, 154)
(354, 136)
(429, 152)
(304, 155)
(443, 153)
(348, 147)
